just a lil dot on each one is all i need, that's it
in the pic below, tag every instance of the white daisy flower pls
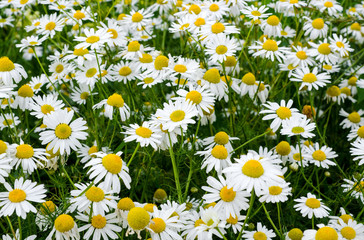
(311, 206)
(353, 119)
(185, 68)
(10, 71)
(354, 188)
(176, 115)
(262, 232)
(89, 73)
(331, 6)
(124, 72)
(145, 134)
(270, 49)
(215, 10)
(323, 52)
(229, 201)
(300, 57)
(255, 13)
(220, 138)
(311, 79)
(109, 168)
(216, 157)
(17, 199)
(30, 41)
(357, 151)
(235, 222)
(212, 80)
(350, 230)
(279, 113)
(320, 156)
(64, 228)
(81, 15)
(272, 26)
(114, 101)
(315, 28)
(80, 55)
(322, 233)
(88, 197)
(81, 94)
(250, 172)
(213, 28)
(61, 133)
(276, 192)
(50, 24)
(296, 158)
(8, 121)
(298, 125)
(137, 19)
(356, 133)
(94, 39)
(341, 45)
(41, 106)
(220, 46)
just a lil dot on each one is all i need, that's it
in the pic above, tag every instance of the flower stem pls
(252, 197)
(175, 170)
(132, 156)
(270, 220)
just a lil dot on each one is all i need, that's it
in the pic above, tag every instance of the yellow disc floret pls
(143, 132)
(64, 223)
(63, 131)
(6, 65)
(295, 234)
(138, 218)
(326, 233)
(313, 203)
(98, 221)
(253, 168)
(115, 100)
(95, 194)
(283, 148)
(17, 195)
(112, 163)
(157, 225)
(24, 151)
(177, 115)
(227, 194)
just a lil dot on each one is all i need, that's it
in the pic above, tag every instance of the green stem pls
(270, 220)
(175, 170)
(254, 138)
(68, 177)
(132, 156)
(11, 228)
(19, 227)
(252, 197)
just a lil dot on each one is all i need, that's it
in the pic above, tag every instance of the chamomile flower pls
(298, 125)
(276, 192)
(145, 134)
(137, 19)
(355, 188)
(30, 41)
(272, 27)
(255, 13)
(220, 46)
(357, 150)
(62, 133)
(82, 15)
(295, 157)
(6, 21)
(215, 10)
(8, 121)
(10, 71)
(88, 197)
(123, 207)
(229, 201)
(212, 80)
(117, 33)
(176, 115)
(94, 39)
(316, 28)
(60, 69)
(311, 206)
(331, 6)
(80, 55)
(279, 112)
(310, 78)
(18, 199)
(213, 28)
(250, 172)
(323, 232)
(109, 168)
(51, 24)
(81, 94)
(89, 73)
(99, 225)
(262, 232)
(220, 138)
(340, 44)
(323, 53)
(320, 156)
(124, 72)
(64, 228)
(5, 166)
(114, 101)
(356, 133)
(353, 119)
(216, 157)
(350, 230)
(185, 69)
(41, 106)
(300, 57)
(270, 49)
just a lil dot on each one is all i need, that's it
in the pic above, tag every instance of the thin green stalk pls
(175, 170)
(254, 138)
(279, 217)
(11, 228)
(68, 177)
(271, 222)
(132, 156)
(252, 198)
(19, 227)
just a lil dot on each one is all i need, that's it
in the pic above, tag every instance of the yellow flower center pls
(138, 218)
(232, 220)
(126, 204)
(328, 4)
(355, 27)
(298, 130)
(259, 236)
(293, 1)
(115, 100)
(64, 223)
(194, 96)
(221, 138)
(160, 194)
(296, 157)
(137, 17)
(199, 22)
(283, 148)
(326, 233)
(84, 95)
(227, 194)
(346, 91)
(352, 81)
(301, 55)
(354, 117)
(149, 207)
(79, 15)
(348, 232)
(112, 163)
(184, 26)
(92, 39)
(91, 72)
(253, 168)
(8, 122)
(98, 221)
(212, 75)
(63, 131)
(309, 78)
(360, 132)
(198, 222)
(256, 13)
(195, 9)
(214, 7)
(270, 45)
(318, 23)
(217, 28)
(157, 225)
(47, 207)
(59, 68)
(324, 49)
(249, 79)
(25, 91)
(345, 218)
(148, 80)
(273, 20)
(333, 91)
(283, 112)
(180, 68)
(24, 151)
(80, 51)
(160, 62)
(230, 61)
(114, 33)
(219, 152)
(134, 46)
(46, 108)
(50, 26)
(95, 194)
(319, 155)
(3, 147)
(359, 186)
(6, 65)
(295, 234)
(177, 115)
(340, 44)
(313, 203)
(124, 71)
(275, 190)
(17, 195)
(143, 132)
